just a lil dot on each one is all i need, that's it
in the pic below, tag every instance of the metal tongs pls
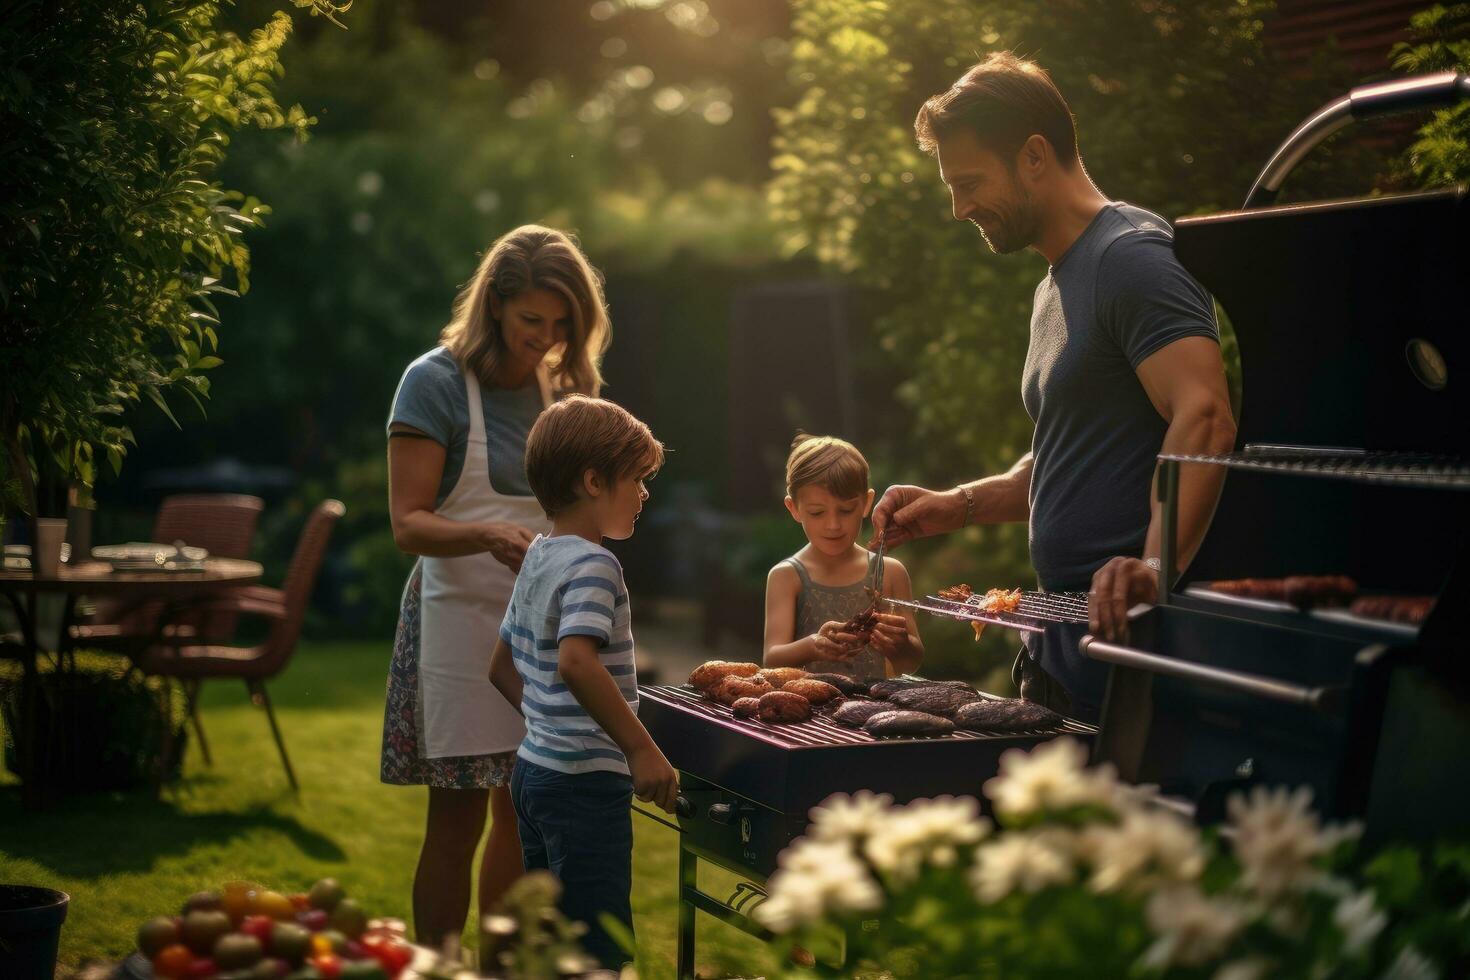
(875, 576)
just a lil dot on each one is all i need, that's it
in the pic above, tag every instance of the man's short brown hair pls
(833, 464)
(578, 434)
(1004, 100)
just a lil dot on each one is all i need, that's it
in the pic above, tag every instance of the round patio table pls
(175, 589)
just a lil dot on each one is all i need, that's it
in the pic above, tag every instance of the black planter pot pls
(30, 931)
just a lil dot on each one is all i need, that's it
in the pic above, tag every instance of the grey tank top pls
(817, 604)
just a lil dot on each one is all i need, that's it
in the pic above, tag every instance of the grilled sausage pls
(1307, 591)
(707, 676)
(935, 699)
(732, 689)
(854, 713)
(780, 707)
(907, 723)
(1413, 609)
(1006, 715)
(745, 707)
(817, 692)
(777, 676)
(847, 685)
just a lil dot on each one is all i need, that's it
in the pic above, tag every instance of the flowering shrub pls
(1088, 876)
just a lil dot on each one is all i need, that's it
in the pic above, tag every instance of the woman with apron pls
(530, 325)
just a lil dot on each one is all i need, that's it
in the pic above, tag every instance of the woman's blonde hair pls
(833, 464)
(533, 257)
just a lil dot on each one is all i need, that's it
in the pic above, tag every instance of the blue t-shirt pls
(431, 397)
(1115, 297)
(568, 586)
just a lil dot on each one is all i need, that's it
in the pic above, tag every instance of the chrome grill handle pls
(1322, 699)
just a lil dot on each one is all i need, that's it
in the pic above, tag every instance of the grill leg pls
(688, 883)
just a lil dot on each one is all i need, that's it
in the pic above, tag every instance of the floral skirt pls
(403, 762)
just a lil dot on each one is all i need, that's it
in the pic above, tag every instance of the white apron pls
(464, 600)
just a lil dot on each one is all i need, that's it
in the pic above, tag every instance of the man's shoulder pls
(1138, 244)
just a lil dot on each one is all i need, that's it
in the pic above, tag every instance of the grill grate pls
(818, 731)
(1037, 610)
(1403, 469)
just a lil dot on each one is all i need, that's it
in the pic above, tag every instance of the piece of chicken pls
(732, 689)
(777, 676)
(817, 692)
(709, 674)
(745, 707)
(783, 707)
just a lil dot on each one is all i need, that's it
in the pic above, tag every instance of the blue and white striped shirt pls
(568, 586)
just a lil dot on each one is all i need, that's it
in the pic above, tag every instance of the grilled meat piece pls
(1307, 591)
(708, 675)
(783, 707)
(854, 713)
(955, 593)
(745, 707)
(817, 692)
(776, 676)
(1006, 715)
(934, 699)
(732, 689)
(1252, 588)
(1000, 601)
(885, 688)
(847, 685)
(861, 624)
(1412, 609)
(907, 723)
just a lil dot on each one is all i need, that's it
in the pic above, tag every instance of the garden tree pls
(1439, 41)
(115, 233)
(1178, 105)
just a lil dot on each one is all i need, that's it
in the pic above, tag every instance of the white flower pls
(1145, 849)
(1192, 927)
(1051, 777)
(1253, 968)
(1278, 839)
(841, 817)
(1360, 920)
(925, 831)
(1411, 965)
(815, 878)
(1021, 861)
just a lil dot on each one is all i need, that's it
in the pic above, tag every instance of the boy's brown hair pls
(1003, 101)
(833, 464)
(578, 434)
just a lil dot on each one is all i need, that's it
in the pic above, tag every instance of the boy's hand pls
(833, 644)
(890, 634)
(654, 780)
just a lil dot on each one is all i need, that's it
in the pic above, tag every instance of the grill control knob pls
(682, 807)
(721, 812)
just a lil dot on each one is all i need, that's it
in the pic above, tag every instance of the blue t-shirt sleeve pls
(1146, 300)
(426, 399)
(590, 593)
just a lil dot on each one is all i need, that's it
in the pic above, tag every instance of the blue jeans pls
(580, 828)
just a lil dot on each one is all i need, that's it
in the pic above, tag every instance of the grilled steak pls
(817, 692)
(886, 688)
(776, 676)
(783, 706)
(854, 713)
(847, 685)
(732, 689)
(935, 699)
(707, 676)
(907, 723)
(745, 707)
(1006, 715)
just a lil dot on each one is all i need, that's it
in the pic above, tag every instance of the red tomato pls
(260, 927)
(202, 969)
(329, 965)
(392, 954)
(173, 961)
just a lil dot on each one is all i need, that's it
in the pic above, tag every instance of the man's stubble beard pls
(1018, 230)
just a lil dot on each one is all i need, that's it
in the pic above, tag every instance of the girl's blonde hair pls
(533, 257)
(833, 464)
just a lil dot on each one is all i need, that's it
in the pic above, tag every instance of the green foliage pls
(115, 234)
(1440, 41)
(1178, 105)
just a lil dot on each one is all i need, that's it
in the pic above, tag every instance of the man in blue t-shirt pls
(1124, 363)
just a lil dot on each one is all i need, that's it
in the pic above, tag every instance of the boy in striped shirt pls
(565, 656)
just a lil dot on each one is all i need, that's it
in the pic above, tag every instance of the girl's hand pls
(890, 634)
(506, 542)
(833, 644)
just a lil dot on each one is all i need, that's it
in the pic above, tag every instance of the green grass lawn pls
(124, 858)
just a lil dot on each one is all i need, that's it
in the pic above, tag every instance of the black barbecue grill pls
(747, 786)
(1354, 459)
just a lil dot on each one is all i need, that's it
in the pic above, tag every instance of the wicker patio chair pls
(285, 609)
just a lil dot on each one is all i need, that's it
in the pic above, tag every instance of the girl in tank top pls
(812, 594)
